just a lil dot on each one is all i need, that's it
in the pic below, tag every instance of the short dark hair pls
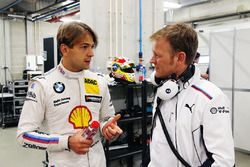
(181, 37)
(69, 33)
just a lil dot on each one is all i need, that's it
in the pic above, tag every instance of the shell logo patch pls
(80, 117)
(91, 86)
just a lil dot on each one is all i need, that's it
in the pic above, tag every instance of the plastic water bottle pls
(91, 130)
(142, 73)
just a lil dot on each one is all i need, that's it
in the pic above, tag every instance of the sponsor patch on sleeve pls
(95, 99)
(219, 110)
(31, 96)
(91, 86)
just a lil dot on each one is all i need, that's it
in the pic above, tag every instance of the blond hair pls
(181, 37)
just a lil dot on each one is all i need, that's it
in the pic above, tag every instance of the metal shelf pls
(20, 88)
(124, 152)
(20, 94)
(19, 97)
(134, 118)
(18, 107)
(6, 107)
(128, 121)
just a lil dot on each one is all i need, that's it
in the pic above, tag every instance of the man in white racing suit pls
(196, 113)
(66, 100)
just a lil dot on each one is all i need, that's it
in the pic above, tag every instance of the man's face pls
(79, 56)
(163, 58)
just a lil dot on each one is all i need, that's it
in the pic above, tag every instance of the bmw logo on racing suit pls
(59, 87)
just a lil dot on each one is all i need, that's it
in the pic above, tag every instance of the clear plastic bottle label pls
(91, 130)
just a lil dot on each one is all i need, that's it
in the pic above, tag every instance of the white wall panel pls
(221, 52)
(18, 48)
(5, 59)
(203, 47)
(242, 59)
(229, 65)
(1, 51)
(229, 94)
(241, 120)
(30, 38)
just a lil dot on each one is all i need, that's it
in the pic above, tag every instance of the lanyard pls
(171, 145)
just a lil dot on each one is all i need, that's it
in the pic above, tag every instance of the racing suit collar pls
(67, 73)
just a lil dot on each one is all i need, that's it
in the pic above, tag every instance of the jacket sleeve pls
(107, 110)
(31, 119)
(217, 132)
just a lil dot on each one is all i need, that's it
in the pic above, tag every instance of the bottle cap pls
(141, 78)
(95, 124)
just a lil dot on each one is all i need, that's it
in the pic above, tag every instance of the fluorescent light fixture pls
(16, 16)
(68, 19)
(171, 5)
(67, 2)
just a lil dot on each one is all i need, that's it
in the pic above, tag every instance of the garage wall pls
(14, 45)
(230, 71)
(18, 47)
(221, 51)
(242, 89)
(2, 51)
(214, 8)
(5, 50)
(125, 40)
(45, 30)
(211, 9)
(121, 37)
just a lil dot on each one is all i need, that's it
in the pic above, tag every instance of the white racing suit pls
(198, 120)
(65, 102)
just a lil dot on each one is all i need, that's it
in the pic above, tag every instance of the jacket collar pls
(69, 74)
(192, 80)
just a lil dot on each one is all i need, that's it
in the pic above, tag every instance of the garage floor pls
(13, 155)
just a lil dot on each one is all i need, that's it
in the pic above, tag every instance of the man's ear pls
(181, 57)
(64, 49)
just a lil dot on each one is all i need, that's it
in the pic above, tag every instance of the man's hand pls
(78, 144)
(110, 130)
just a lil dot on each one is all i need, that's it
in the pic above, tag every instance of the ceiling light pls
(171, 5)
(16, 16)
(67, 2)
(68, 19)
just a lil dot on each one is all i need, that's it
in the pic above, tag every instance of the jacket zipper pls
(88, 159)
